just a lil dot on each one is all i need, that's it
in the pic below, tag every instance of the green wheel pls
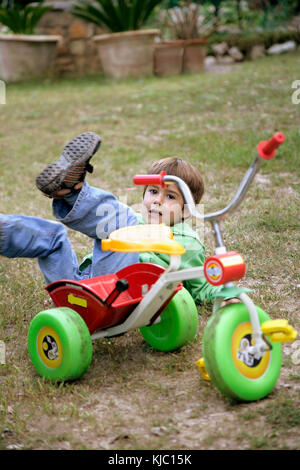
(233, 371)
(178, 325)
(59, 344)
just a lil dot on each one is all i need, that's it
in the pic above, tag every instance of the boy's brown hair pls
(182, 169)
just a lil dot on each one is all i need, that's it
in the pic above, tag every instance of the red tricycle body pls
(88, 297)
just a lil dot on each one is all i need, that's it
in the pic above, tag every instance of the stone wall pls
(77, 54)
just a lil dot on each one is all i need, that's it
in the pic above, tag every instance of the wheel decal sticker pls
(214, 271)
(49, 347)
(245, 362)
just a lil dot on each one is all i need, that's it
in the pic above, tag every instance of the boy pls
(97, 213)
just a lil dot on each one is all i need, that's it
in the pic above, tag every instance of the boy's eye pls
(153, 191)
(170, 196)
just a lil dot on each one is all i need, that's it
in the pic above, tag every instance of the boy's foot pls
(67, 174)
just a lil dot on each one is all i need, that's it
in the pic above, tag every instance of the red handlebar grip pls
(267, 148)
(150, 179)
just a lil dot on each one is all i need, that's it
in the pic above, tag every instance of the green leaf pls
(22, 20)
(115, 15)
(91, 13)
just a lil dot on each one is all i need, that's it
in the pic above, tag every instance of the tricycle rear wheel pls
(59, 344)
(178, 325)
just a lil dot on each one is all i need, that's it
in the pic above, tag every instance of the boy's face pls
(162, 205)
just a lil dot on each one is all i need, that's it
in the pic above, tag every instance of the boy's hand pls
(230, 301)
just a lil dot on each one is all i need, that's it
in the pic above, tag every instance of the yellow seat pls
(140, 238)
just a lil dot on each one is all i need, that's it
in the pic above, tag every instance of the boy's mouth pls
(152, 212)
(155, 215)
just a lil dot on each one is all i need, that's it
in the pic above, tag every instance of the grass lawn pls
(133, 397)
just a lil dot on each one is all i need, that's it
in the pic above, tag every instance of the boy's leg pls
(97, 213)
(31, 237)
(66, 175)
(91, 211)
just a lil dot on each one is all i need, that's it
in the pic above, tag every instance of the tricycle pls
(241, 344)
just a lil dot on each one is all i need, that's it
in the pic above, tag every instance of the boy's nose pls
(158, 198)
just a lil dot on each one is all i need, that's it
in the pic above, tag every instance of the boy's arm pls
(155, 258)
(199, 288)
(201, 291)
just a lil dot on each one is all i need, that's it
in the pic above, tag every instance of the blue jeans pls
(93, 212)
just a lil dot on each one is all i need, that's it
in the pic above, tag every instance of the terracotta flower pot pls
(168, 58)
(25, 56)
(194, 55)
(127, 54)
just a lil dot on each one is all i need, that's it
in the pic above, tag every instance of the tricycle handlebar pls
(267, 148)
(149, 180)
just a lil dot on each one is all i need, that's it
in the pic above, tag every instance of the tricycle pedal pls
(279, 331)
(201, 366)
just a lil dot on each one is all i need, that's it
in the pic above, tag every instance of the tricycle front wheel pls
(235, 372)
(178, 324)
(59, 344)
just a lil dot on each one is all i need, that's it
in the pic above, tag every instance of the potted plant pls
(127, 49)
(23, 54)
(190, 30)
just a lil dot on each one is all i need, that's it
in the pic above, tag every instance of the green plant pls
(21, 17)
(187, 21)
(246, 14)
(246, 40)
(273, 12)
(21, 3)
(115, 15)
(229, 12)
(216, 9)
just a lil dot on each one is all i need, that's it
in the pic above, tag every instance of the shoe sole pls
(77, 152)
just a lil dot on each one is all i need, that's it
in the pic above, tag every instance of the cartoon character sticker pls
(50, 348)
(213, 271)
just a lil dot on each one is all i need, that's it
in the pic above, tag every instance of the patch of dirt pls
(153, 408)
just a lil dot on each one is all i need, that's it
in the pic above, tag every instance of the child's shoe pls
(67, 174)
